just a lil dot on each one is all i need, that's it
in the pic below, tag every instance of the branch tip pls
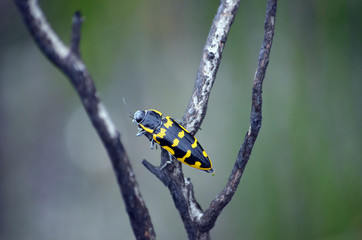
(75, 35)
(78, 15)
(153, 169)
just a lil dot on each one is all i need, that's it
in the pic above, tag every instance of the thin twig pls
(224, 197)
(69, 62)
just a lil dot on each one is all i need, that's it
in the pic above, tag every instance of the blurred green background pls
(303, 180)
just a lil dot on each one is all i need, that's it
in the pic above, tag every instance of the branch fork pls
(68, 60)
(197, 222)
(203, 221)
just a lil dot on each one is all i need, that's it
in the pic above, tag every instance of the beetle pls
(172, 137)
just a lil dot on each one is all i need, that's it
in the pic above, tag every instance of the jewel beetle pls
(172, 137)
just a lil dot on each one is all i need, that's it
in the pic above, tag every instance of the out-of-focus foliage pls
(303, 179)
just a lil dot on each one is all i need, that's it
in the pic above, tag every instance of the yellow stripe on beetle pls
(161, 134)
(184, 129)
(188, 154)
(181, 134)
(168, 123)
(154, 110)
(149, 130)
(194, 144)
(197, 164)
(170, 150)
(175, 142)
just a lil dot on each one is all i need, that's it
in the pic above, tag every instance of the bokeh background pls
(303, 180)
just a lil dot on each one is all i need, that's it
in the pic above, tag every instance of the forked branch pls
(198, 222)
(68, 60)
(224, 197)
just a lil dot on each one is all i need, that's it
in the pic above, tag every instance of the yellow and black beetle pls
(172, 137)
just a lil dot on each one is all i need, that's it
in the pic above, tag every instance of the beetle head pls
(138, 116)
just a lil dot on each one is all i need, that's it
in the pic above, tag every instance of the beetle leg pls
(167, 162)
(140, 132)
(152, 143)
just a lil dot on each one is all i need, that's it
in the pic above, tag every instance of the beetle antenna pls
(125, 104)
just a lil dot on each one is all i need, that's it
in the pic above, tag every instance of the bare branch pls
(225, 196)
(67, 59)
(181, 188)
(210, 61)
(69, 62)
